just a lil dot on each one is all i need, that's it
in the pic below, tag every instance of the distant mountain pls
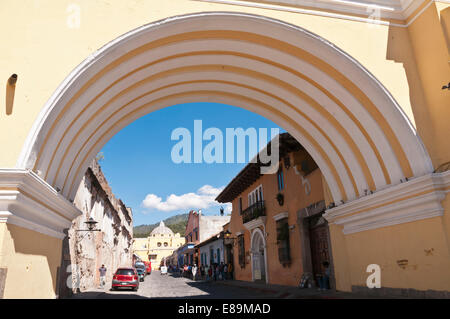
(176, 223)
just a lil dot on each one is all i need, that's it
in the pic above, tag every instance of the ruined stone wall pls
(112, 245)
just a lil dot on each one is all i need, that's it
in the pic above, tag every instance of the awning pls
(186, 248)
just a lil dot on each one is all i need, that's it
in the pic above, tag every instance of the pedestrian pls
(210, 272)
(216, 272)
(195, 271)
(202, 272)
(230, 271)
(102, 271)
(324, 280)
(225, 272)
(222, 270)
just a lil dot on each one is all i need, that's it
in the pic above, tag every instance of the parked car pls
(148, 266)
(125, 278)
(141, 273)
(139, 264)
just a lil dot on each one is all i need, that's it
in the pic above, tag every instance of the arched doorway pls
(259, 256)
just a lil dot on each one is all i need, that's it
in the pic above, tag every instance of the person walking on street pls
(102, 271)
(202, 272)
(194, 272)
(225, 272)
(230, 271)
(217, 272)
(210, 272)
(324, 280)
(221, 273)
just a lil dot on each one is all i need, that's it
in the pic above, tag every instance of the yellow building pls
(159, 244)
(361, 84)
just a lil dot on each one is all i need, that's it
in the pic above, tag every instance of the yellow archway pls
(338, 111)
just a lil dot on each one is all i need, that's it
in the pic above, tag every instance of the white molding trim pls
(255, 223)
(347, 9)
(28, 201)
(417, 199)
(281, 216)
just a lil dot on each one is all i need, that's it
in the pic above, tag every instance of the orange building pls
(277, 221)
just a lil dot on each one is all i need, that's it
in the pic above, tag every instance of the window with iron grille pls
(284, 254)
(241, 251)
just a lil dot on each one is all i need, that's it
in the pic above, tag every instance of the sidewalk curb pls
(283, 293)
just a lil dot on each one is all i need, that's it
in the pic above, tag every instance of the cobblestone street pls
(156, 285)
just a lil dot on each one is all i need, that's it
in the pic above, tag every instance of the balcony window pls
(254, 211)
(255, 196)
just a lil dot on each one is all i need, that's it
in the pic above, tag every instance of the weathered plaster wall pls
(112, 245)
(211, 225)
(214, 245)
(29, 257)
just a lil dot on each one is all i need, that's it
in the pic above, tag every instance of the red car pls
(125, 278)
(148, 267)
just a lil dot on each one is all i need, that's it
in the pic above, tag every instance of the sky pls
(141, 170)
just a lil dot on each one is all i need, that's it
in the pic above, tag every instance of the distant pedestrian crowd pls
(212, 272)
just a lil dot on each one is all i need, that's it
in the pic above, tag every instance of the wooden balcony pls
(254, 211)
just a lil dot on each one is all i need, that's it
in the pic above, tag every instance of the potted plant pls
(280, 199)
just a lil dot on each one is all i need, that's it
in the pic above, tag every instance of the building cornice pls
(416, 199)
(399, 13)
(26, 200)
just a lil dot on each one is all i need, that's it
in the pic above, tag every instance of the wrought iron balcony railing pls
(254, 211)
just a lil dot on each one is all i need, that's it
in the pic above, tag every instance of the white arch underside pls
(64, 165)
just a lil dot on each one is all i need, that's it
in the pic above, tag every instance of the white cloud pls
(204, 198)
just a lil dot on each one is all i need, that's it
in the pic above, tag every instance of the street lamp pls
(90, 223)
(227, 235)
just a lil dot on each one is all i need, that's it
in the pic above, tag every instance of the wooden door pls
(319, 248)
